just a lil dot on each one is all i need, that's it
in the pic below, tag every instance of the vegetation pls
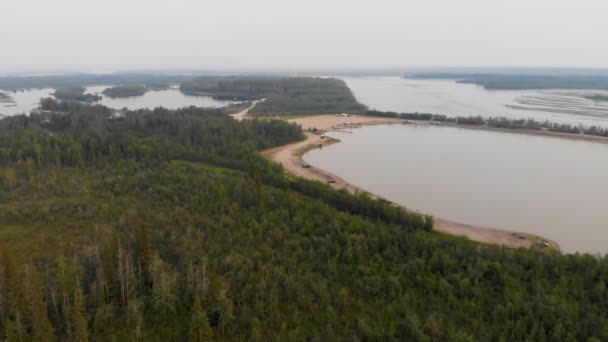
(162, 225)
(284, 95)
(81, 80)
(75, 94)
(523, 81)
(597, 97)
(5, 98)
(125, 91)
(496, 122)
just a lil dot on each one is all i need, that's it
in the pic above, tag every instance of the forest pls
(284, 95)
(159, 225)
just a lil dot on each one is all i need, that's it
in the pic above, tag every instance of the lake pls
(169, 98)
(552, 187)
(26, 100)
(455, 99)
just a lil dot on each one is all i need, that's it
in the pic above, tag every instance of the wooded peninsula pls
(284, 95)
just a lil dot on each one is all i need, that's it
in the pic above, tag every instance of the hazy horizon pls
(71, 35)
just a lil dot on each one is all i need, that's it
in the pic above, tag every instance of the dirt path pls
(290, 156)
(243, 114)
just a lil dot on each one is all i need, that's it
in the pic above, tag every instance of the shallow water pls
(547, 186)
(454, 99)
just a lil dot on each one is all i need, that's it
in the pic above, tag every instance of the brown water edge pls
(290, 157)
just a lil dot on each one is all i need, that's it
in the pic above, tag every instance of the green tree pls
(200, 330)
(10, 331)
(41, 326)
(79, 320)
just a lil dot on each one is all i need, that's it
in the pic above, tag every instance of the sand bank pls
(290, 157)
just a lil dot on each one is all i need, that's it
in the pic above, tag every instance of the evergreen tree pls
(200, 330)
(79, 320)
(41, 326)
(10, 331)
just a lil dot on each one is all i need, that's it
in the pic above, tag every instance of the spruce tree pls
(200, 330)
(41, 326)
(79, 320)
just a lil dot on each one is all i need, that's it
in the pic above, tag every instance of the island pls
(75, 94)
(597, 97)
(5, 98)
(126, 91)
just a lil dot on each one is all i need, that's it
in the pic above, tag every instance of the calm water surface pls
(169, 98)
(454, 99)
(547, 186)
(26, 100)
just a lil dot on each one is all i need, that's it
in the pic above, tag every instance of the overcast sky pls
(89, 35)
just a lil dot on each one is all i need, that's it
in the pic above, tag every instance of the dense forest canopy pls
(523, 81)
(158, 225)
(284, 95)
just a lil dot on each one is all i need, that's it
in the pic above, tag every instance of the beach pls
(290, 157)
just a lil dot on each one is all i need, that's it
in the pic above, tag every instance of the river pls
(455, 99)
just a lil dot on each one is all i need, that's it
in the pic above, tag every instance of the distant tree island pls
(133, 90)
(597, 97)
(125, 91)
(5, 98)
(75, 94)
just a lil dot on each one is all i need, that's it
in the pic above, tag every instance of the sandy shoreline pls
(290, 157)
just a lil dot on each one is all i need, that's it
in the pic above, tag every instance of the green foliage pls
(74, 94)
(284, 95)
(200, 330)
(79, 320)
(125, 91)
(597, 97)
(172, 227)
(5, 98)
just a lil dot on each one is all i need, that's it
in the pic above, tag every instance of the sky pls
(110, 35)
